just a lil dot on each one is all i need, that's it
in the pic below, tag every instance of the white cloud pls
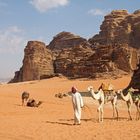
(97, 12)
(11, 40)
(45, 5)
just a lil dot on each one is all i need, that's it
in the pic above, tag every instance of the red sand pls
(54, 118)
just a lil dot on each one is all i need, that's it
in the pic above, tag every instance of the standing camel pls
(129, 98)
(100, 96)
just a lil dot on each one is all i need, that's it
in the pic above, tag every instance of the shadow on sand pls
(86, 120)
(62, 123)
(116, 119)
(66, 121)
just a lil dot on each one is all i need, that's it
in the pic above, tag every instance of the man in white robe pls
(77, 105)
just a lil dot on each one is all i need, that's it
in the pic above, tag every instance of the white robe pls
(77, 104)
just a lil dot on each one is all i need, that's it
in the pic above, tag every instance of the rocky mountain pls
(112, 52)
(70, 53)
(135, 80)
(122, 31)
(119, 27)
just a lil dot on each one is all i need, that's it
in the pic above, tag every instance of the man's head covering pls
(73, 89)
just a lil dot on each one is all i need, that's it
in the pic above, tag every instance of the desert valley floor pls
(53, 119)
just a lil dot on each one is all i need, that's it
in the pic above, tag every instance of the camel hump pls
(102, 86)
(110, 87)
(106, 87)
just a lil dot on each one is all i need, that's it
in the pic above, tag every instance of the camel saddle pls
(108, 92)
(109, 95)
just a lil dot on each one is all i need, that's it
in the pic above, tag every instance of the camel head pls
(131, 89)
(90, 88)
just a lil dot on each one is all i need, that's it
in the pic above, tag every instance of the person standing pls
(77, 102)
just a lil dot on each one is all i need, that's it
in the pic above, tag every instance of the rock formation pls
(114, 51)
(135, 80)
(121, 31)
(37, 63)
(71, 55)
(119, 27)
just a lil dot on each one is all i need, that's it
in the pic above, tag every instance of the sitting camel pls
(131, 98)
(24, 97)
(33, 103)
(100, 96)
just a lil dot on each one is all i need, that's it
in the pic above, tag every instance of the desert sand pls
(53, 119)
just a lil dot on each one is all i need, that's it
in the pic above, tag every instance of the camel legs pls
(22, 102)
(129, 104)
(138, 114)
(114, 105)
(138, 110)
(102, 114)
(100, 110)
(113, 109)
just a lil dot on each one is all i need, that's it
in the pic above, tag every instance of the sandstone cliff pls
(135, 80)
(112, 52)
(37, 63)
(121, 31)
(71, 53)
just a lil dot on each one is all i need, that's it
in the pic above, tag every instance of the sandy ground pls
(54, 118)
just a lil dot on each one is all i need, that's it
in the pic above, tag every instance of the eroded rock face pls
(121, 31)
(110, 28)
(119, 27)
(66, 41)
(115, 50)
(82, 59)
(71, 53)
(37, 63)
(135, 80)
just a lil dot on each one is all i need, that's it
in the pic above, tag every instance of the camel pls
(33, 103)
(130, 99)
(24, 97)
(100, 96)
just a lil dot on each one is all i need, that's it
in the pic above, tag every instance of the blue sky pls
(25, 20)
